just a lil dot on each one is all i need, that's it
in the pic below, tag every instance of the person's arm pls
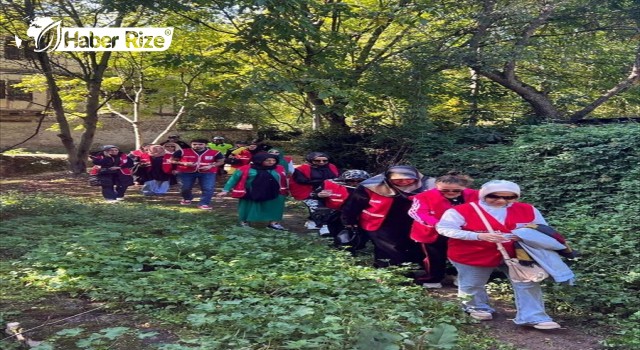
(450, 225)
(421, 212)
(231, 183)
(353, 207)
(219, 160)
(128, 163)
(176, 156)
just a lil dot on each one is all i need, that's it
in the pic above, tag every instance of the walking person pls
(172, 148)
(379, 206)
(309, 176)
(197, 163)
(333, 194)
(159, 171)
(426, 211)
(261, 188)
(114, 172)
(474, 253)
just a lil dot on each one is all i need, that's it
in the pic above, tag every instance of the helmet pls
(218, 138)
(354, 174)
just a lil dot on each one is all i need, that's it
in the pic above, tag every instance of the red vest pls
(302, 191)
(373, 216)
(338, 196)
(243, 157)
(481, 253)
(240, 189)
(167, 166)
(208, 157)
(95, 170)
(429, 206)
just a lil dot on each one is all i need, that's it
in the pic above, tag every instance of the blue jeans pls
(528, 295)
(152, 187)
(207, 185)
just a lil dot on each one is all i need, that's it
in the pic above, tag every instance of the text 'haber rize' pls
(133, 40)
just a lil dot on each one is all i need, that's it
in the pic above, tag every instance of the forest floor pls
(576, 334)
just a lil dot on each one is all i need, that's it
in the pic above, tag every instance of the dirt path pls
(575, 335)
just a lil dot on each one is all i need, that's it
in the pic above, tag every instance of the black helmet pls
(354, 174)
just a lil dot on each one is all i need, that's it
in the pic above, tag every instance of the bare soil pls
(575, 334)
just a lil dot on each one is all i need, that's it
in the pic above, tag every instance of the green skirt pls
(252, 211)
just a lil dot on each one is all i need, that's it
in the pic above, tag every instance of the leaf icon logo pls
(45, 32)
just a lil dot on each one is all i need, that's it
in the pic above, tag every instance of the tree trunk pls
(541, 104)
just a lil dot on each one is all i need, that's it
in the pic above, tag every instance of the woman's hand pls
(324, 194)
(222, 193)
(492, 237)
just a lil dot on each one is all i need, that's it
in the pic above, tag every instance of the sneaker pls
(310, 225)
(111, 201)
(244, 224)
(276, 226)
(120, 198)
(324, 231)
(481, 315)
(204, 207)
(185, 202)
(546, 325)
(432, 285)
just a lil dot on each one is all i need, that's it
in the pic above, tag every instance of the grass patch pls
(216, 285)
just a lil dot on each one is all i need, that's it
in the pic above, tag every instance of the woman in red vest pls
(332, 194)
(379, 207)
(114, 172)
(473, 251)
(308, 177)
(262, 188)
(159, 171)
(426, 211)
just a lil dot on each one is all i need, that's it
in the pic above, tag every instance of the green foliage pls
(586, 181)
(242, 287)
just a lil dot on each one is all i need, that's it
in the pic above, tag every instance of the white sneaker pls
(324, 231)
(120, 198)
(481, 315)
(432, 285)
(310, 225)
(546, 325)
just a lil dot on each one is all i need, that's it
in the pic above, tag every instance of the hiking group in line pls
(448, 229)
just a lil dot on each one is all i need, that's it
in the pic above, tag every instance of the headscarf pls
(264, 186)
(157, 151)
(313, 155)
(499, 186)
(281, 160)
(177, 146)
(381, 185)
(108, 147)
(259, 158)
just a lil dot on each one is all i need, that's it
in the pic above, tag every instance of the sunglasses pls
(506, 198)
(450, 191)
(321, 161)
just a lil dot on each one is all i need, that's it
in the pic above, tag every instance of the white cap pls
(499, 186)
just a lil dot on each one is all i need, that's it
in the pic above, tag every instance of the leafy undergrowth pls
(215, 285)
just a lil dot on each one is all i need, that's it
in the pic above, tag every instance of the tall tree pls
(88, 66)
(320, 50)
(520, 45)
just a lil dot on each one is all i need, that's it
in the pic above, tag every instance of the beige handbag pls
(517, 272)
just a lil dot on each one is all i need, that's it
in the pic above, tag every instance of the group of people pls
(439, 223)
